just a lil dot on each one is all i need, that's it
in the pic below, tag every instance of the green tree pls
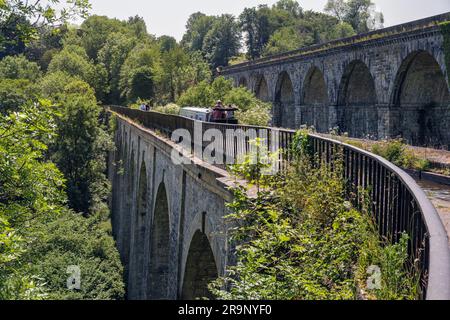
(222, 42)
(95, 32)
(74, 61)
(49, 40)
(113, 55)
(180, 70)
(256, 27)
(20, 20)
(140, 73)
(290, 6)
(80, 152)
(220, 87)
(342, 30)
(257, 116)
(197, 27)
(137, 27)
(337, 8)
(167, 43)
(18, 67)
(39, 236)
(71, 239)
(200, 96)
(284, 39)
(14, 93)
(52, 86)
(31, 190)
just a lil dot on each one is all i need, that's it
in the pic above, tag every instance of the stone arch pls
(158, 285)
(200, 269)
(262, 89)
(136, 288)
(357, 102)
(421, 97)
(315, 101)
(126, 217)
(284, 106)
(243, 82)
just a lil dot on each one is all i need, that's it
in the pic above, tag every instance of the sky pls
(168, 17)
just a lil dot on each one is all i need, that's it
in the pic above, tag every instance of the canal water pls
(439, 195)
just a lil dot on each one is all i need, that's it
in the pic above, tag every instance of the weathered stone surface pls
(167, 218)
(390, 84)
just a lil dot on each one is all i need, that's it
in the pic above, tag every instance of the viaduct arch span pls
(388, 83)
(167, 219)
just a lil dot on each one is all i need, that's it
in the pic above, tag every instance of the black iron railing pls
(398, 204)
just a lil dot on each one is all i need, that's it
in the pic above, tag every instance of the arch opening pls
(262, 89)
(136, 288)
(358, 102)
(422, 102)
(200, 269)
(158, 286)
(315, 109)
(243, 82)
(284, 107)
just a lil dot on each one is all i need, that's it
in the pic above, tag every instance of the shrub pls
(18, 67)
(39, 236)
(72, 240)
(397, 152)
(170, 108)
(16, 93)
(256, 116)
(299, 239)
(200, 95)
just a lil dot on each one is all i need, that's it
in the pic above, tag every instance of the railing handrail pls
(413, 26)
(438, 283)
(439, 265)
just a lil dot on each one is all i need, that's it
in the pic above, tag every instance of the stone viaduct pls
(384, 84)
(166, 218)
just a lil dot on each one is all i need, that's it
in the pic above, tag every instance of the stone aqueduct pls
(389, 83)
(166, 218)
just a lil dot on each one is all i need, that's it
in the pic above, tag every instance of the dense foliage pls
(299, 239)
(124, 63)
(53, 187)
(21, 21)
(286, 26)
(360, 14)
(39, 236)
(251, 110)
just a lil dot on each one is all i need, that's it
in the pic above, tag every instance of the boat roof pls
(197, 109)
